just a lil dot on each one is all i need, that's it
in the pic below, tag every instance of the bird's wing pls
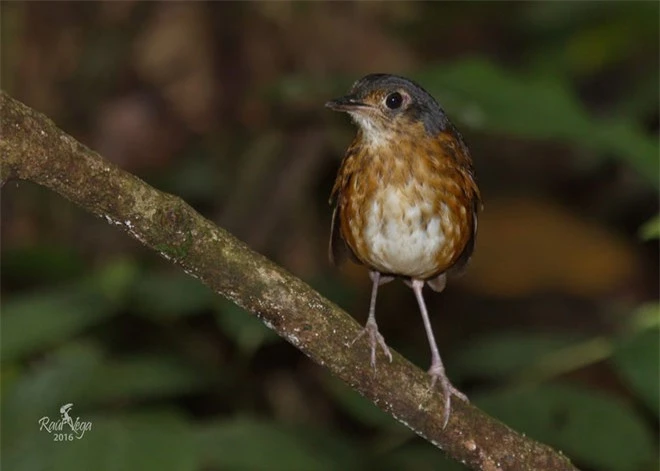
(338, 250)
(453, 147)
(458, 268)
(337, 247)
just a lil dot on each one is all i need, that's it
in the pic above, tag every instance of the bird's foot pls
(375, 339)
(438, 375)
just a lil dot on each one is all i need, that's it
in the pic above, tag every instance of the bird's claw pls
(375, 339)
(448, 389)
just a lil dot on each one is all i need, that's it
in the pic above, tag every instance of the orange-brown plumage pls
(434, 174)
(406, 198)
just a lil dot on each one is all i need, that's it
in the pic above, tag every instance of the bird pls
(405, 200)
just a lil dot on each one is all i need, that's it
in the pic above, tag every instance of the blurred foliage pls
(554, 330)
(636, 360)
(586, 425)
(651, 229)
(537, 107)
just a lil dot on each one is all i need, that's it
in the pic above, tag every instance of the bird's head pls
(384, 106)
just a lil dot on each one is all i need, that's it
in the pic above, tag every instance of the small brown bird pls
(406, 198)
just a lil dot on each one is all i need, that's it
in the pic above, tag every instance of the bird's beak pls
(346, 103)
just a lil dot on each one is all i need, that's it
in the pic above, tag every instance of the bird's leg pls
(437, 370)
(371, 328)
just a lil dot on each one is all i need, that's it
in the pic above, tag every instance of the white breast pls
(402, 233)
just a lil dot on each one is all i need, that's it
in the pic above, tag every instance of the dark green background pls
(554, 329)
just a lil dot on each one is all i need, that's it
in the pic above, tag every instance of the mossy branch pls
(33, 148)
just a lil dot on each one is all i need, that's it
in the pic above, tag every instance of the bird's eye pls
(394, 100)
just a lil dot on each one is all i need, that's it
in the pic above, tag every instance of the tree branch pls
(33, 148)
